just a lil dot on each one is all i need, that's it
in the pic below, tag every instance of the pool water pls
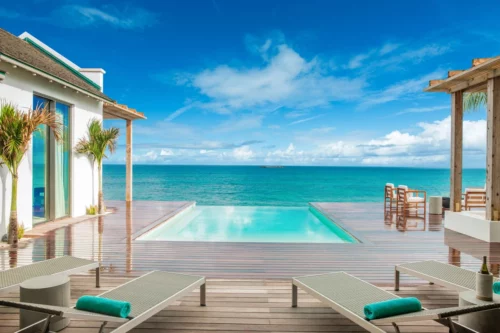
(250, 224)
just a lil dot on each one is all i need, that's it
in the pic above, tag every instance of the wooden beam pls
(493, 150)
(435, 82)
(455, 72)
(457, 114)
(128, 167)
(479, 61)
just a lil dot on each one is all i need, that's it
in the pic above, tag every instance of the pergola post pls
(128, 153)
(457, 114)
(493, 150)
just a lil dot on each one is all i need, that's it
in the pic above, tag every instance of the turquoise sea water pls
(289, 186)
(250, 224)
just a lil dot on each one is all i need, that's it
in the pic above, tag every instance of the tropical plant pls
(92, 210)
(474, 101)
(20, 230)
(94, 145)
(16, 129)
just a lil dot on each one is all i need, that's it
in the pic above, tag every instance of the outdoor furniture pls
(47, 290)
(446, 204)
(410, 200)
(445, 275)
(390, 197)
(148, 295)
(11, 278)
(348, 295)
(486, 321)
(436, 205)
(474, 198)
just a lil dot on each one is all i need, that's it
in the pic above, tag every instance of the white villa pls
(55, 182)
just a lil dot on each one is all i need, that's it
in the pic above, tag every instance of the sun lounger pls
(445, 275)
(10, 279)
(148, 295)
(348, 295)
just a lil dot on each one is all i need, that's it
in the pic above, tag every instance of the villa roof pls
(120, 111)
(473, 79)
(14, 49)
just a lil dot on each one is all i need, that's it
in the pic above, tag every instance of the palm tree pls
(474, 101)
(94, 145)
(16, 129)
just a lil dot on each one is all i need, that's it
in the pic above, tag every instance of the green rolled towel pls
(106, 306)
(392, 307)
(496, 287)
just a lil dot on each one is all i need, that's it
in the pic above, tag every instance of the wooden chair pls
(410, 199)
(474, 198)
(390, 197)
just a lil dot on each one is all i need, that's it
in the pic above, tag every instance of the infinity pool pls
(250, 224)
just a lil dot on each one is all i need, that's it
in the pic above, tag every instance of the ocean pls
(288, 186)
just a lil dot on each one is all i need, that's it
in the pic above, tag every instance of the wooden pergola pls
(119, 111)
(483, 76)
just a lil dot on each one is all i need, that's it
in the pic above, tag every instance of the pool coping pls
(338, 222)
(163, 219)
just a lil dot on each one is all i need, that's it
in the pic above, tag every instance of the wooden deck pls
(110, 239)
(248, 286)
(242, 306)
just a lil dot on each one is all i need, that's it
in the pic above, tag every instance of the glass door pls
(61, 164)
(40, 167)
(51, 166)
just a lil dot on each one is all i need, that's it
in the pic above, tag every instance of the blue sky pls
(276, 82)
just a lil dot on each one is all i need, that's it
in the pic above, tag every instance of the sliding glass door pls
(51, 166)
(61, 164)
(40, 166)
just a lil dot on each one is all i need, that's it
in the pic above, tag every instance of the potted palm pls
(94, 145)
(16, 129)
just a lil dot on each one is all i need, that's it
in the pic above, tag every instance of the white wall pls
(19, 87)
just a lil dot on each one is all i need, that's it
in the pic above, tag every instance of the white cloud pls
(127, 18)
(166, 152)
(305, 120)
(423, 109)
(180, 111)
(357, 61)
(388, 48)
(399, 90)
(297, 113)
(286, 79)
(426, 144)
(243, 153)
(429, 144)
(387, 58)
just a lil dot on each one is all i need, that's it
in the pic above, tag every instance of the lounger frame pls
(128, 324)
(367, 325)
(442, 316)
(91, 266)
(201, 283)
(432, 279)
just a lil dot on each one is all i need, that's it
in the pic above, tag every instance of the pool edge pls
(360, 239)
(150, 227)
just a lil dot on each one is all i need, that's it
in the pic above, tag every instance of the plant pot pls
(484, 287)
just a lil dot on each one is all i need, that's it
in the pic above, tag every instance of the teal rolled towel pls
(393, 307)
(496, 287)
(106, 306)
